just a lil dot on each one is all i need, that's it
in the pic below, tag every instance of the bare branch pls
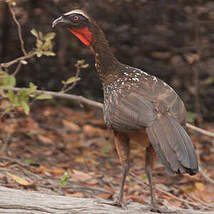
(76, 98)
(17, 69)
(19, 59)
(19, 29)
(64, 89)
(202, 131)
(206, 176)
(187, 202)
(86, 101)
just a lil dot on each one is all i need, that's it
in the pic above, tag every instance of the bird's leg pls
(121, 141)
(119, 201)
(149, 162)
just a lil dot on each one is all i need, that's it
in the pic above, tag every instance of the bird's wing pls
(138, 104)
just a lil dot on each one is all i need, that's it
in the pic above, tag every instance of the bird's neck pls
(105, 62)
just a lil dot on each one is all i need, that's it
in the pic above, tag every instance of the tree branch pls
(19, 28)
(86, 101)
(206, 176)
(200, 130)
(76, 98)
(19, 59)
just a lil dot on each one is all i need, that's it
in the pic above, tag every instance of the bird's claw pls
(116, 203)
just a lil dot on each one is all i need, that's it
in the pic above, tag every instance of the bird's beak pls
(56, 21)
(62, 20)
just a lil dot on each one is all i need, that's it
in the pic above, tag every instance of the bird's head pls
(79, 23)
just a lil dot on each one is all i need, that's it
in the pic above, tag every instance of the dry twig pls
(86, 101)
(205, 176)
(206, 206)
(18, 60)
(19, 28)
(200, 130)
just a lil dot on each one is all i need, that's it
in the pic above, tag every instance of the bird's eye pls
(76, 18)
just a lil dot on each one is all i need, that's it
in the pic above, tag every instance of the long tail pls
(173, 145)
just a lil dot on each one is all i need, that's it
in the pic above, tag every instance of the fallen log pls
(13, 201)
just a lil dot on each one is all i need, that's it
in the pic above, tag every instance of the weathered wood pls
(14, 201)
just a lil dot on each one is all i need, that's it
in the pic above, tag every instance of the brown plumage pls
(134, 103)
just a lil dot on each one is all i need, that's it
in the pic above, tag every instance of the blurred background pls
(172, 39)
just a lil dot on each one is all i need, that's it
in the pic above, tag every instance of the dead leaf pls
(105, 195)
(20, 180)
(71, 125)
(199, 186)
(84, 177)
(172, 204)
(191, 58)
(80, 159)
(5, 164)
(74, 194)
(45, 139)
(42, 169)
(91, 131)
(161, 55)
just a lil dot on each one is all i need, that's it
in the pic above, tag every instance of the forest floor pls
(62, 151)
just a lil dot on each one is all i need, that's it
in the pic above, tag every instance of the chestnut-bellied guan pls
(136, 103)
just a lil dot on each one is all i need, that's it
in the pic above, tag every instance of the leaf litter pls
(70, 152)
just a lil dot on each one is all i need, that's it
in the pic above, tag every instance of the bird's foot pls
(157, 209)
(117, 202)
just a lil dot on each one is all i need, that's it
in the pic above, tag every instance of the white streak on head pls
(81, 12)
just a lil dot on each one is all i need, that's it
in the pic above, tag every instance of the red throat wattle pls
(84, 34)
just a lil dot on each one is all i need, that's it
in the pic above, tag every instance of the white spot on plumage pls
(154, 78)
(165, 84)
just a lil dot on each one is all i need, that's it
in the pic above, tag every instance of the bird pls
(138, 107)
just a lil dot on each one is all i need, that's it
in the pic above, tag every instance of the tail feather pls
(173, 145)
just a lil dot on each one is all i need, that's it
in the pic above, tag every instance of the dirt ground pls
(63, 151)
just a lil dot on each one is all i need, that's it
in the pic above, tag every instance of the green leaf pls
(64, 179)
(11, 96)
(49, 36)
(39, 44)
(8, 109)
(34, 32)
(29, 161)
(44, 97)
(191, 116)
(71, 80)
(46, 46)
(40, 35)
(80, 62)
(26, 107)
(208, 81)
(12, 81)
(85, 66)
(32, 87)
(106, 148)
(39, 53)
(23, 96)
(49, 53)
(144, 177)
(9, 80)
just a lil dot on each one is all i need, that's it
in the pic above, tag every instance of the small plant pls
(70, 83)
(64, 179)
(21, 98)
